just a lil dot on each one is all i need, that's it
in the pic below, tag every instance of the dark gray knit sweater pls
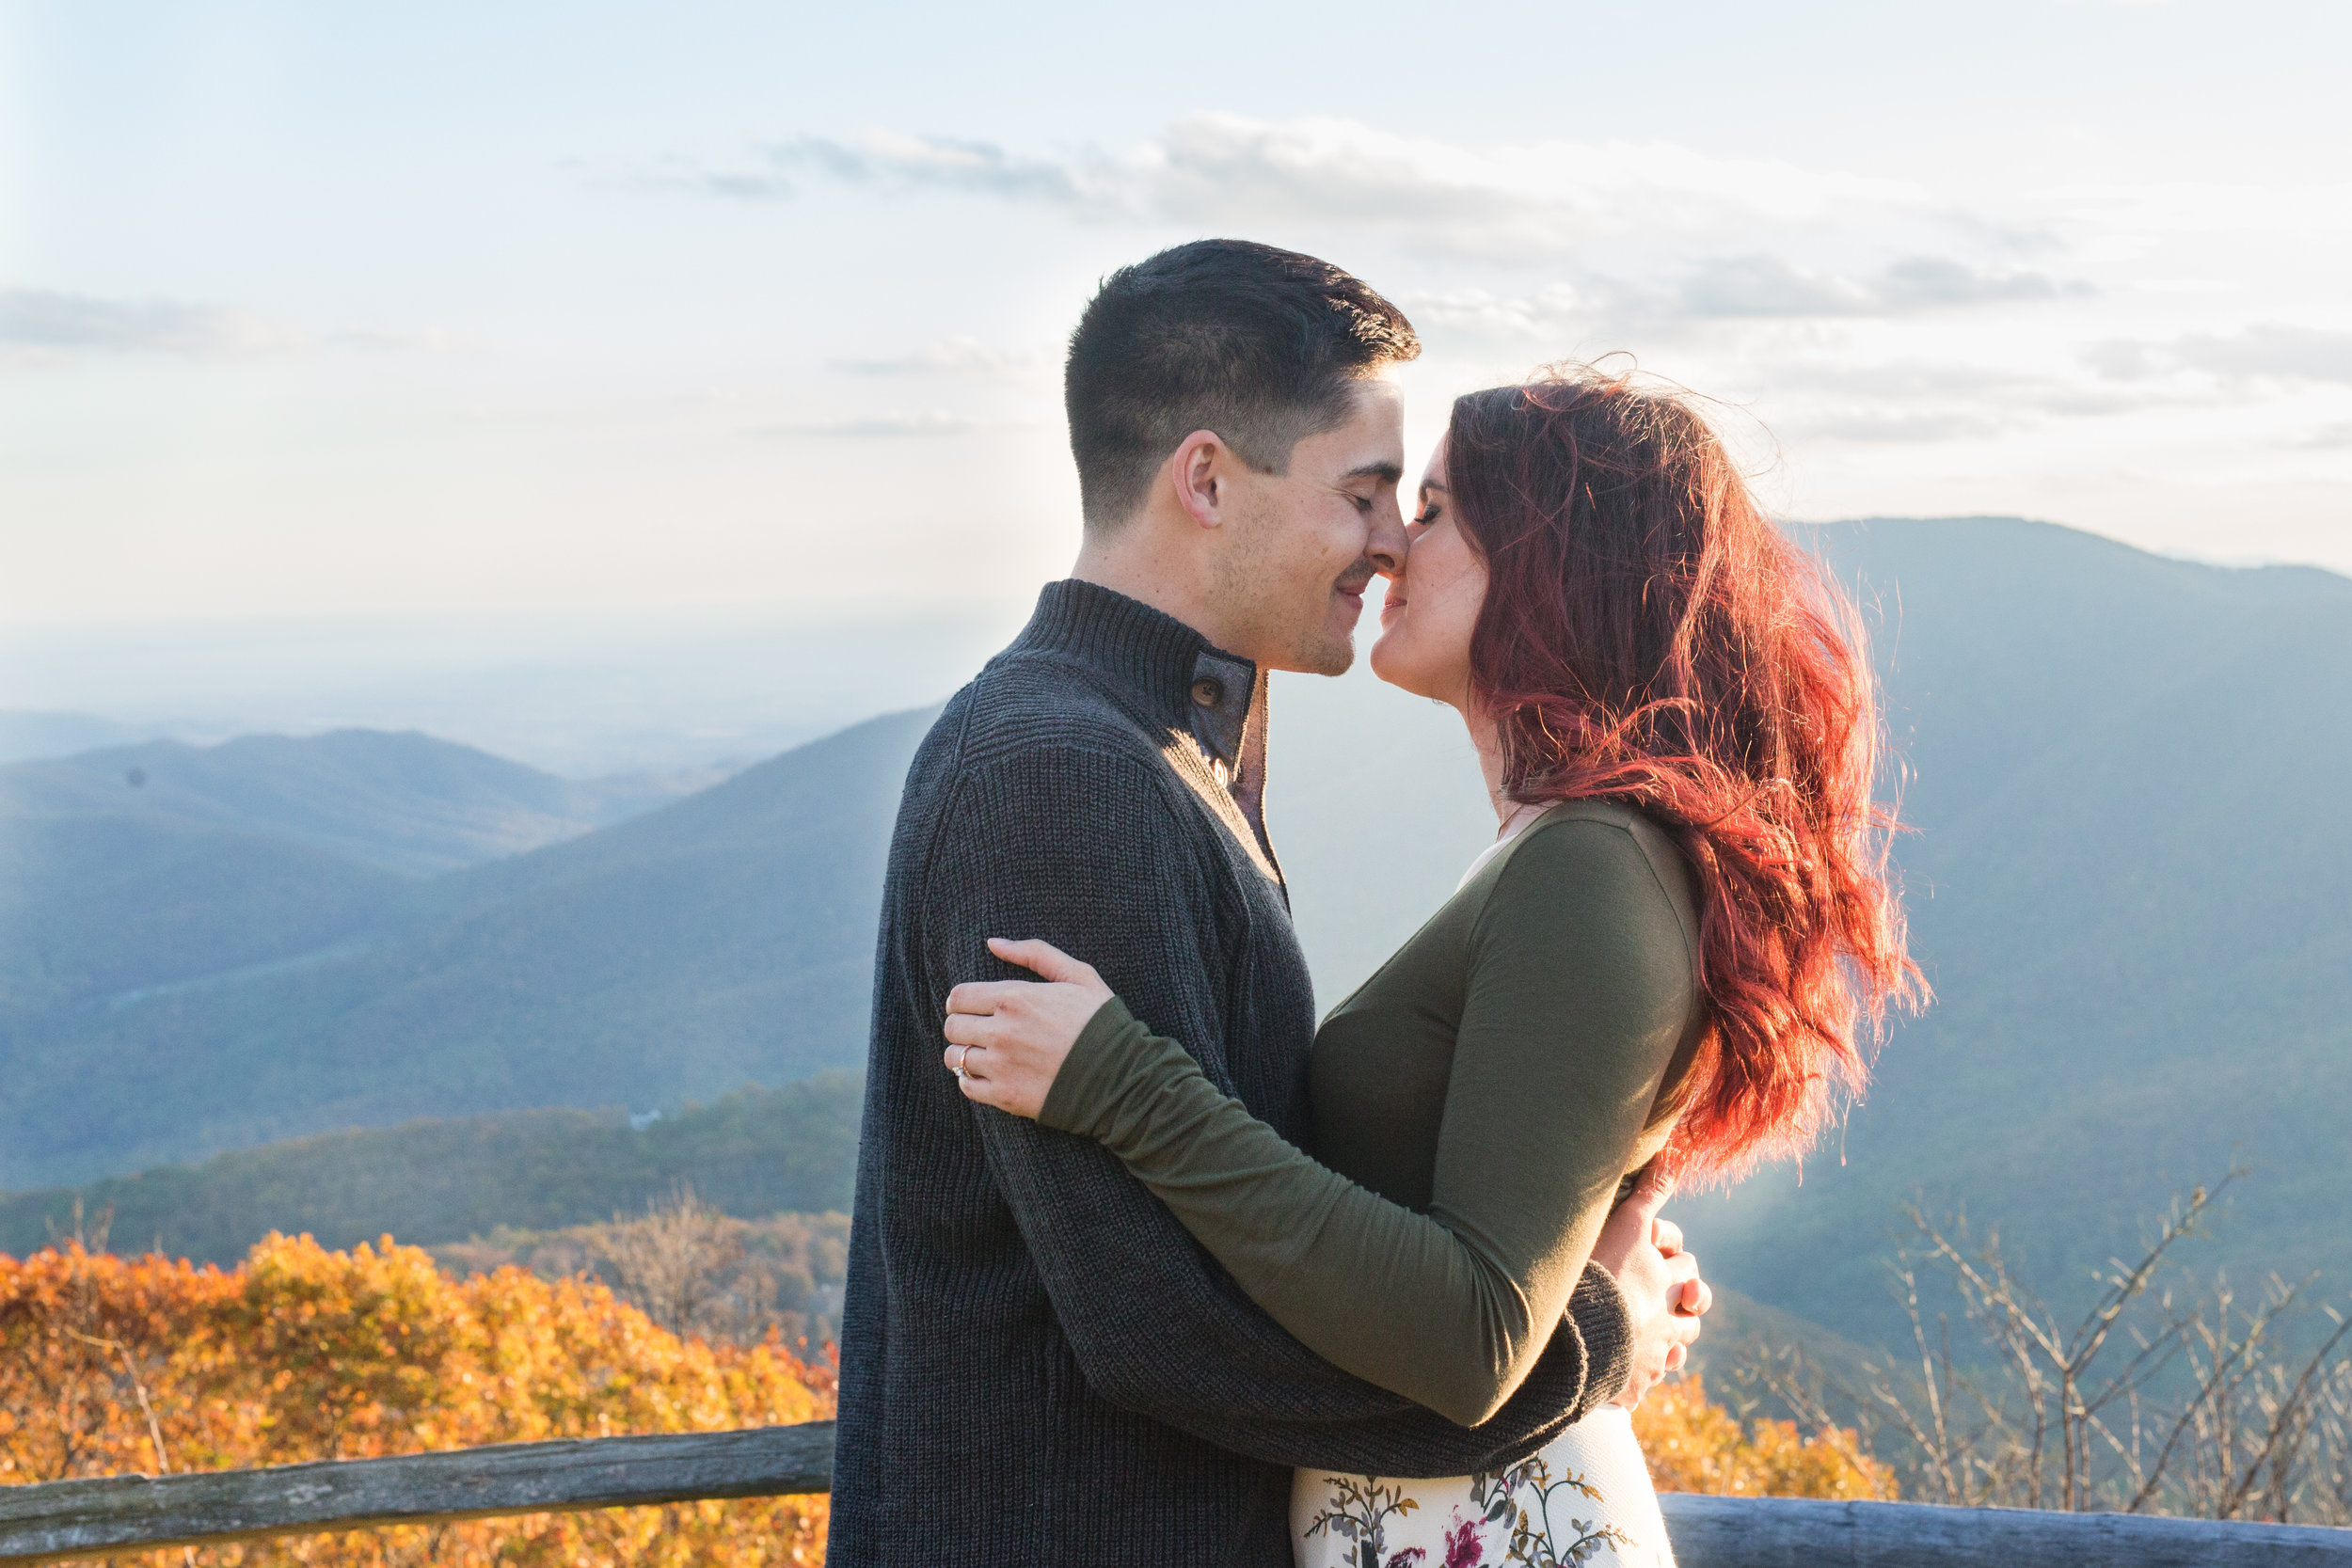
(1039, 1366)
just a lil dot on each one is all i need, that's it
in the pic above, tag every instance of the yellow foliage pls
(1696, 1446)
(110, 1365)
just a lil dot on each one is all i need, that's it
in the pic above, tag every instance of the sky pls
(327, 315)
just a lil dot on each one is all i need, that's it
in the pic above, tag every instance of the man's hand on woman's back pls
(1663, 1292)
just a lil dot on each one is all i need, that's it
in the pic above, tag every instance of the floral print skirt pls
(1585, 1499)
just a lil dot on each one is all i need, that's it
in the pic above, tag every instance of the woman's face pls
(1432, 600)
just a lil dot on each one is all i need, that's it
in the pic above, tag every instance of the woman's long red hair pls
(1649, 636)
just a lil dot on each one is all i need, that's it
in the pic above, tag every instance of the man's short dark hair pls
(1263, 346)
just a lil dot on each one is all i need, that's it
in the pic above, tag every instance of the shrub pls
(1693, 1446)
(112, 1365)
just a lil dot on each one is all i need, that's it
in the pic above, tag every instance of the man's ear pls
(1198, 474)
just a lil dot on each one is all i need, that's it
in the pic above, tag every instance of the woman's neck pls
(1487, 741)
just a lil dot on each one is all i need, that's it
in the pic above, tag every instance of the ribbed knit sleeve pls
(1577, 988)
(1087, 850)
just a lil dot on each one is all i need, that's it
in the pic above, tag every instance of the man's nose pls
(1389, 544)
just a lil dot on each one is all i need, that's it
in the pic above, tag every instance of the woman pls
(1660, 963)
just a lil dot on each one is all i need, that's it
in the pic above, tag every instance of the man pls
(1039, 1366)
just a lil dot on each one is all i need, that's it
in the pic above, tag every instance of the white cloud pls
(1934, 380)
(1900, 425)
(2272, 349)
(1766, 285)
(1923, 400)
(2194, 209)
(1932, 283)
(955, 356)
(42, 321)
(1486, 319)
(674, 173)
(1548, 194)
(2268, 351)
(1857, 310)
(885, 157)
(1591, 214)
(895, 425)
(1752, 287)
(1763, 285)
(1230, 170)
(1769, 286)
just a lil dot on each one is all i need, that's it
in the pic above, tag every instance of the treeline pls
(754, 1153)
(690, 1268)
(2168, 1393)
(110, 1365)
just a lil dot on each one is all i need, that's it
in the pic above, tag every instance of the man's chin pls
(1332, 656)
(1334, 651)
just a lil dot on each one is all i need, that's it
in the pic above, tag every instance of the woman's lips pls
(1389, 606)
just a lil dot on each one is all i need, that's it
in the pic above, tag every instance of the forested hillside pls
(131, 868)
(406, 802)
(753, 1152)
(719, 940)
(2125, 873)
(2127, 881)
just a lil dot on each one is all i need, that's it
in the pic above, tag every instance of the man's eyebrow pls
(1387, 473)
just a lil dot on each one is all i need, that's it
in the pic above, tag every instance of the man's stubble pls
(1276, 610)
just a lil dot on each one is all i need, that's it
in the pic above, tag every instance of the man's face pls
(1306, 542)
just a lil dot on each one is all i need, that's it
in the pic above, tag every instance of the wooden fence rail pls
(60, 1521)
(1799, 1532)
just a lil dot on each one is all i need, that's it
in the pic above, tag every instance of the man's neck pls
(1175, 587)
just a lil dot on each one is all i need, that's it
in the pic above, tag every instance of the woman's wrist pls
(1089, 1083)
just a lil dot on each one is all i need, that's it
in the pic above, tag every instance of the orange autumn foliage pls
(1696, 1446)
(112, 1365)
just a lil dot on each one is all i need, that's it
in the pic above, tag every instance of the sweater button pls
(1207, 693)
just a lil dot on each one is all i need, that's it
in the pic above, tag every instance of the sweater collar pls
(1218, 699)
(1185, 682)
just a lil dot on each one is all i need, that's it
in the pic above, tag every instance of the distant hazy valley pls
(2127, 883)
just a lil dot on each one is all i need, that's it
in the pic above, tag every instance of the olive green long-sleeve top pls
(1476, 1102)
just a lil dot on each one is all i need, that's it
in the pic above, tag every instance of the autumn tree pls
(109, 1365)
